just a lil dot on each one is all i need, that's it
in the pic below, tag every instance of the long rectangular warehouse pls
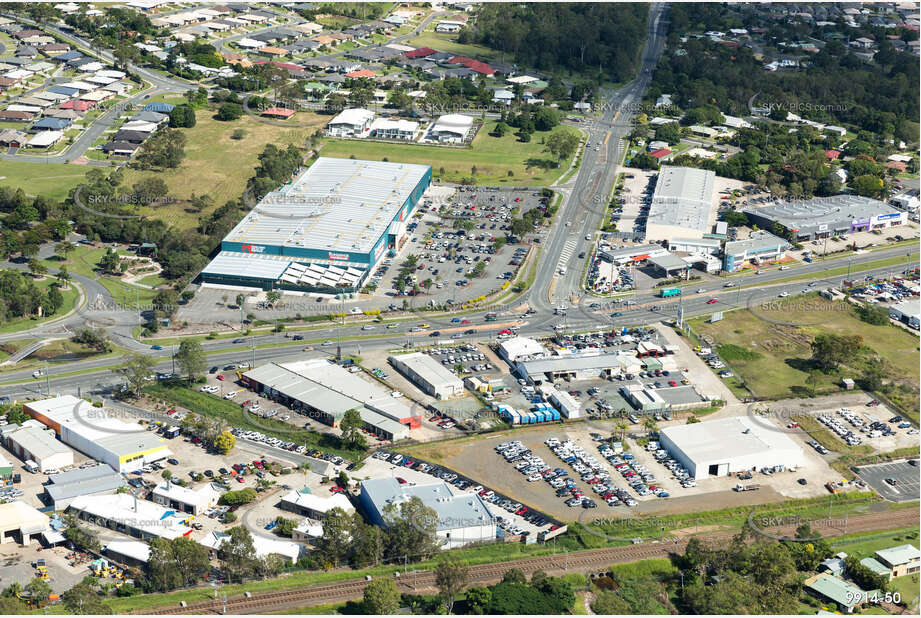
(725, 446)
(822, 217)
(125, 447)
(428, 374)
(682, 204)
(325, 391)
(38, 444)
(323, 231)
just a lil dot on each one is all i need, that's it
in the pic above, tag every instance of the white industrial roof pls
(335, 205)
(727, 438)
(454, 511)
(517, 347)
(453, 123)
(387, 124)
(353, 116)
(202, 496)
(18, 514)
(320, 504)
(428, 369)
(154, 519)
(38, 441)
(133, 549)
(96, 425)
(682, 198)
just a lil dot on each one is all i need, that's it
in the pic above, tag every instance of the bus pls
(492, 317)
(668, 292)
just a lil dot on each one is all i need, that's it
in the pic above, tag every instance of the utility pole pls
(739, 295)
(47, 379)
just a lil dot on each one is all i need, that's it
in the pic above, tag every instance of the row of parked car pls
(257, 436)
(591, 471)
(465, 484)
(678, 471)
(840, 430)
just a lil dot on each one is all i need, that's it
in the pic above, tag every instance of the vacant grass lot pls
(493, 158)
(775, 363)
(84, 260)
(217, 165)
(53, 180)
(448, 43)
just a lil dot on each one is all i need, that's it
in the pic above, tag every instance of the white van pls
(31, 466)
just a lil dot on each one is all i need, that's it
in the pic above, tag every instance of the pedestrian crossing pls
(566, 254)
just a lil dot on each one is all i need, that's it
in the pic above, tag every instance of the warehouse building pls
(760, 246)
(628, 255)
(451, 129)
(907, 312)
(38, 444)
(129, 515)
(20, 523)
(643, 399)
(682, 204)
(289, 551)
(325, 230)
(823, 217)
(63, 487)
(584, 366)
(325, 391)
(429, 375)
(186, 499)
(131, 553)
(125, 447)
(725, 446)
(516, 348)
(314, 506)
(699, 246)
(462, 518)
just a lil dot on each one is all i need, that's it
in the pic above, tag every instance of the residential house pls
(900, 560)
(353, 122)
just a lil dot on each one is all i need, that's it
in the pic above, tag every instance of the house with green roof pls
(901, 560)
(845, 595)
(877, 567)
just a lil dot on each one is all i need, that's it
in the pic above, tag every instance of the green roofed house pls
(846, 595)
(901, 560)
(876, 566)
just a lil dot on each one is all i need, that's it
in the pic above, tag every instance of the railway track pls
(589, 561)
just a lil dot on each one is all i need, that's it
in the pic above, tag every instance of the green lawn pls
(53, 180)
(217, 165)
(865, 544)
(493, 158)
(83, 261)
(778, 366)
(70, 298)
(448, 43)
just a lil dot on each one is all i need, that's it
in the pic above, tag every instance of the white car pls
(327, 342)
(783, 294)
(367, 327)
(230, 395)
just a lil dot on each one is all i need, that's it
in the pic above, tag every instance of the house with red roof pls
(661, 153)
(473, 65)
(422, 52)
(79, 106)
(361, 73)
(278, 112)
(832, 155)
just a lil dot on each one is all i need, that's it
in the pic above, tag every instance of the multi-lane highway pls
(579, 216)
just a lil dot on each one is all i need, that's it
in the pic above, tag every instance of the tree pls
(182, 116)
(450, 577)
(272, 297)
(410, 530)
(514, 576)
(351, 426)
(191, 359)
(63, 249)
(813, 379)
(136, 369)
(164, 149)
(229, 111)
(149, 190)
(562, 143)
(225, 442)
(479, 599)
(39, 590)
(93, 338)
(238, 554)
(873, 314)
(381, 597)
(830, 350)
(109, 262)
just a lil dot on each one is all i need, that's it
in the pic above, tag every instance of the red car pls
(712, 301)
(401, 481)
(521, 511)
(246, 403)
(240, 479)
(336, 489)
(672, 383)
(469, 322)
(221, 377)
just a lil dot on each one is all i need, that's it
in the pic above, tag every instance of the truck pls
(669, 292)
(741, 487)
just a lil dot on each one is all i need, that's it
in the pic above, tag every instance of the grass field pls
(778, 364)
(83, 261)
(217, 165)
(493, 158)
(70, 297)
(448, 43)
(52, 180)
